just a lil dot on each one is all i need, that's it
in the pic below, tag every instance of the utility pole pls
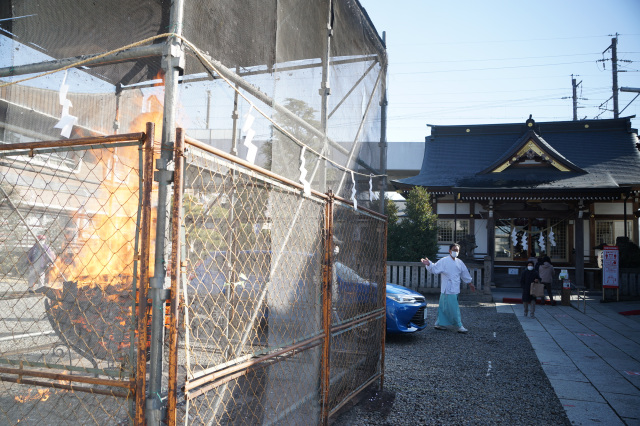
(614, 72)
(575, 98)
(208, 110)
(614, 61)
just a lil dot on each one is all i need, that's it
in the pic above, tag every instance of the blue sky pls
(471, 62)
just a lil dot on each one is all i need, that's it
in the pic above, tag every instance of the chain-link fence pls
(277, 301)
(271, 304)
(69, 276)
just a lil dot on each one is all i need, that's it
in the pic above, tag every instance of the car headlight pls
(401, 298)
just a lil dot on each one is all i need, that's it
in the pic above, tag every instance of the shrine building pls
(562, 189)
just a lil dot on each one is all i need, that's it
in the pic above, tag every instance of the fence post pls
(327, 283)
(145, 250)
(414, 278)
(487, 275)
(176, 223)
(158, 294)
(384, 297)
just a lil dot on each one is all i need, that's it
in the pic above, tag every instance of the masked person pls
(452, 271)
(528, 276)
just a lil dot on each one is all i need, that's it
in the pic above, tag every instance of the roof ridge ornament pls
(530, 122)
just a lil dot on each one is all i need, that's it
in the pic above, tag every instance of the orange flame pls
(105, 246)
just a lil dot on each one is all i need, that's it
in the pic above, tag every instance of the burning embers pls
(94, 320)
(33, 395)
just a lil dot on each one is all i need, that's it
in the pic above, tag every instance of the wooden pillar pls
(579, 247)
(592, 234)
(635, 237)
(491, 243)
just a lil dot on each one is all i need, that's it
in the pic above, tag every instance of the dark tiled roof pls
(603, 152)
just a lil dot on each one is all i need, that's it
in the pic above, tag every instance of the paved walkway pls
(592, 359)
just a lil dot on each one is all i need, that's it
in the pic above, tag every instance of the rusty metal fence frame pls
(128, 385)
(330, 329)
(136, 389)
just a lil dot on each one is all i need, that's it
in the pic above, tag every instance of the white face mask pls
(530, 268)
(454, 254)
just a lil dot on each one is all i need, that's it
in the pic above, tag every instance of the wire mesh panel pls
(358, 301)
(68, 302)
(253, 288)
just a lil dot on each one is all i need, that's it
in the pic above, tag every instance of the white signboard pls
(610, 263)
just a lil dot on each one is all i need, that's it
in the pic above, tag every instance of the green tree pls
(391, 210)
(416, 236)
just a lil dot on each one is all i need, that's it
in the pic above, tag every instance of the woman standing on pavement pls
(527, 277)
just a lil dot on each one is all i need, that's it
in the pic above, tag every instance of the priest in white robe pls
(452, 270)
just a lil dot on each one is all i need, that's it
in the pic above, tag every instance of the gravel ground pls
(489, 376)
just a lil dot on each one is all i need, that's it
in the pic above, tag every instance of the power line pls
(498, 59)
(495, 68)
(504, 40)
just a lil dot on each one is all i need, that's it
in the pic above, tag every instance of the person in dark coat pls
(527, 277)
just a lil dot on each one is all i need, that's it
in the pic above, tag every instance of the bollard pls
(565, 299)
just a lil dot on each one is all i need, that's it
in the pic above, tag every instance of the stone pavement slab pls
(591, 358)
(589, 413)
(576, 390)
(625, 405)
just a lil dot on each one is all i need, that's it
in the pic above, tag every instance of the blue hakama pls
(449, 311)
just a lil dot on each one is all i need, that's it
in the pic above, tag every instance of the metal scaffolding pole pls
(173, 64)
(383, 130)
(125, 55)
(325, 91)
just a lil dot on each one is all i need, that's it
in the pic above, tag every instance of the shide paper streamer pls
(67, 121)
(303, 173)
(252, 149)
(353, 192)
